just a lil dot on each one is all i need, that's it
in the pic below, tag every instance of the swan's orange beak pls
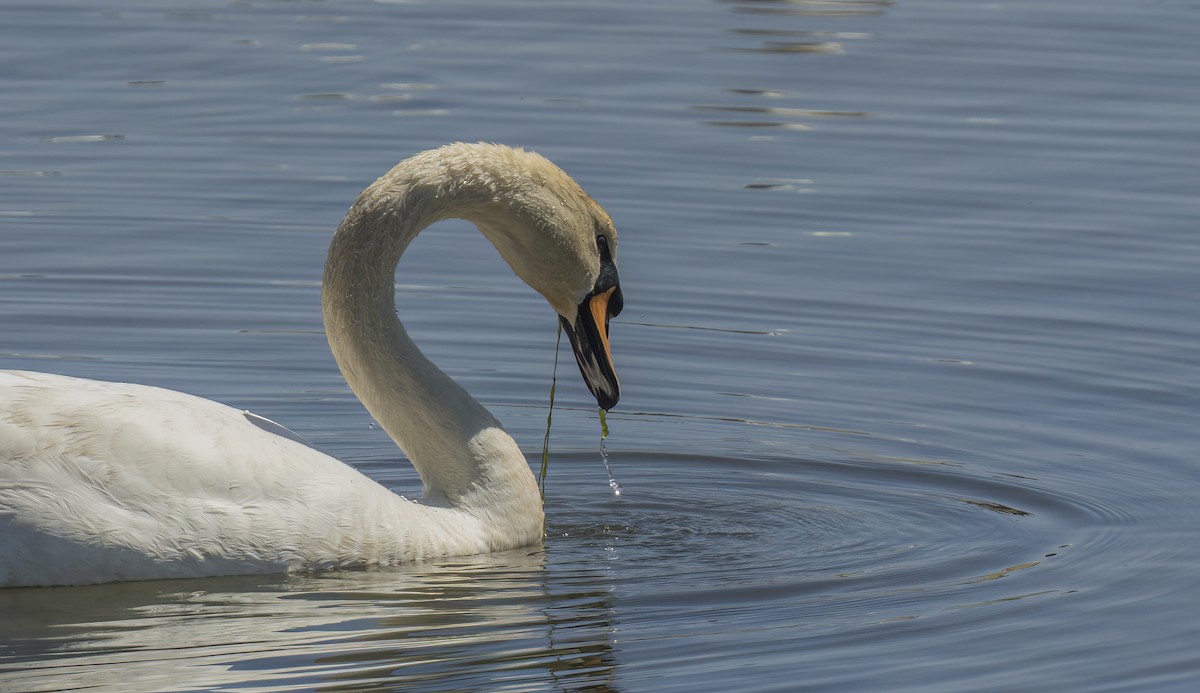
(589, 341)
(589, 332)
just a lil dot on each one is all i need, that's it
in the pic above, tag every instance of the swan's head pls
(588, 327)
(559, 241)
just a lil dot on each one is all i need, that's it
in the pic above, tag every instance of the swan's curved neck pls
(459, 449)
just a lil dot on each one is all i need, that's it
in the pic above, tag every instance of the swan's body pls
(109, 481)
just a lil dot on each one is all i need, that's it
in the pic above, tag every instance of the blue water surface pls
(909, 367)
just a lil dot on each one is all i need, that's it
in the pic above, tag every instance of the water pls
(908, 353)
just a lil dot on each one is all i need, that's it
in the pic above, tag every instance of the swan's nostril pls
(615, 303)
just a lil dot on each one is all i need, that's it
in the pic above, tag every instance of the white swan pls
(107, 481)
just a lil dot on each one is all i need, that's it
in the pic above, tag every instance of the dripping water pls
(612, 481)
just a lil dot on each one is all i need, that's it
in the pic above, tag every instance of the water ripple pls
(788, 529)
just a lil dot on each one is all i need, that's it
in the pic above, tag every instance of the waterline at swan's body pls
(108, 481)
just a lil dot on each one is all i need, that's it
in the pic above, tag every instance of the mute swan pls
(108, 481)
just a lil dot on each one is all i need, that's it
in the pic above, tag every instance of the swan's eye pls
(605, 253)
(608, 278)
(608, 268)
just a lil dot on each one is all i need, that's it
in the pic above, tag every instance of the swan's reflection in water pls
(497, 622)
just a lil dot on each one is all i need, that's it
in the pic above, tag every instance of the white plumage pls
(109, 481)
